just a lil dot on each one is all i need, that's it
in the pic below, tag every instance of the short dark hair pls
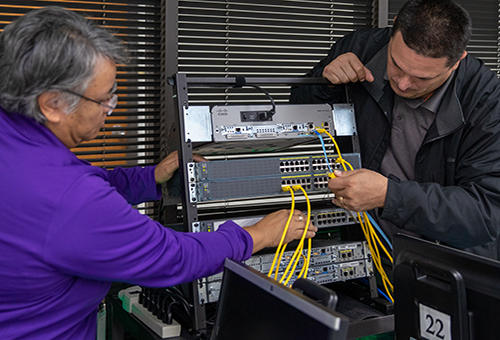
(51, 49)
(434, 28)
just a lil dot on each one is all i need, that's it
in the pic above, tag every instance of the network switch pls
(257, 177)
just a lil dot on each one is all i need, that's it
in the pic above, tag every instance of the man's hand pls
(166, 168)
(347, 68)
(358, 190)
(267, 232)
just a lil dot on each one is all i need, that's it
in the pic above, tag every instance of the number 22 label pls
(434, 325)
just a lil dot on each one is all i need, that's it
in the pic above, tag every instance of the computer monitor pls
(253, 306)
(442, 293)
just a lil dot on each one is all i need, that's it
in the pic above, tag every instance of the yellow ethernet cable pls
(280, 252)
(368, 232)
(370, 235)
(309, 242)
(292, 261)
(298, 252)
(303, 267)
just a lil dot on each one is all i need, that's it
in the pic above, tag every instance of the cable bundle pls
(298, 253)
(368, 230)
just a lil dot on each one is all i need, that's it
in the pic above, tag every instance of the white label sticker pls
(434, 325)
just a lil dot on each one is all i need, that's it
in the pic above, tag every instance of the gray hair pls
(51, 50)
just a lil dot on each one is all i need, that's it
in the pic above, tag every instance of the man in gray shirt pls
(428, 118)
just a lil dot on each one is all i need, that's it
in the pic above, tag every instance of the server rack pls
(179, 204)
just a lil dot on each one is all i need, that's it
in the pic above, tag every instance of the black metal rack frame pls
(176, 141)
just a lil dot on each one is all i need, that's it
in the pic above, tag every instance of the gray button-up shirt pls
(411, 119)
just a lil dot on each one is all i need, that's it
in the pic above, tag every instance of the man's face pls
(412, 75)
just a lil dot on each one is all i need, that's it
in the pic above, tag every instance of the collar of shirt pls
(378, 66)
(430, 103)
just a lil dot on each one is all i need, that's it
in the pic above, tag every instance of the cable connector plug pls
(296, 187)
(286, 188)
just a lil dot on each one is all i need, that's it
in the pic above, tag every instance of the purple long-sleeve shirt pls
(67, 230)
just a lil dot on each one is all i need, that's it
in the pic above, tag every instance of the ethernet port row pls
(320, 164)
(294, 166)
(304, 182)
(322, 160)
(333, 214)
(321, 182)
(329, 222)
(332, 218)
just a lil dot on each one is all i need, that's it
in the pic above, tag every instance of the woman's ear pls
(50, 106)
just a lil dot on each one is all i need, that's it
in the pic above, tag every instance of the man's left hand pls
(358, 190)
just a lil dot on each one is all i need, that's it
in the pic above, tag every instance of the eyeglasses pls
(110, 104)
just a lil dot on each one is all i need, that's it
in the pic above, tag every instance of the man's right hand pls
(347, 68)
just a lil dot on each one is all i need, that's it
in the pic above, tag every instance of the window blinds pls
(260, 38)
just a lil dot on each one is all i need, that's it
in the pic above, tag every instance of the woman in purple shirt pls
(67, 229)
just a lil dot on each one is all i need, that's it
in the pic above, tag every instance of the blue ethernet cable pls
(379, 230)
(324, 149)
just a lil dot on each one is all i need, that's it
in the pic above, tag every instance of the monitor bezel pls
(467, 278)
(331, 319)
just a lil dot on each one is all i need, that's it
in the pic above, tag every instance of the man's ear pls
(51, 106)
(454, 67)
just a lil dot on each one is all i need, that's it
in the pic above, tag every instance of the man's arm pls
(463, 215)
(344, 64)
